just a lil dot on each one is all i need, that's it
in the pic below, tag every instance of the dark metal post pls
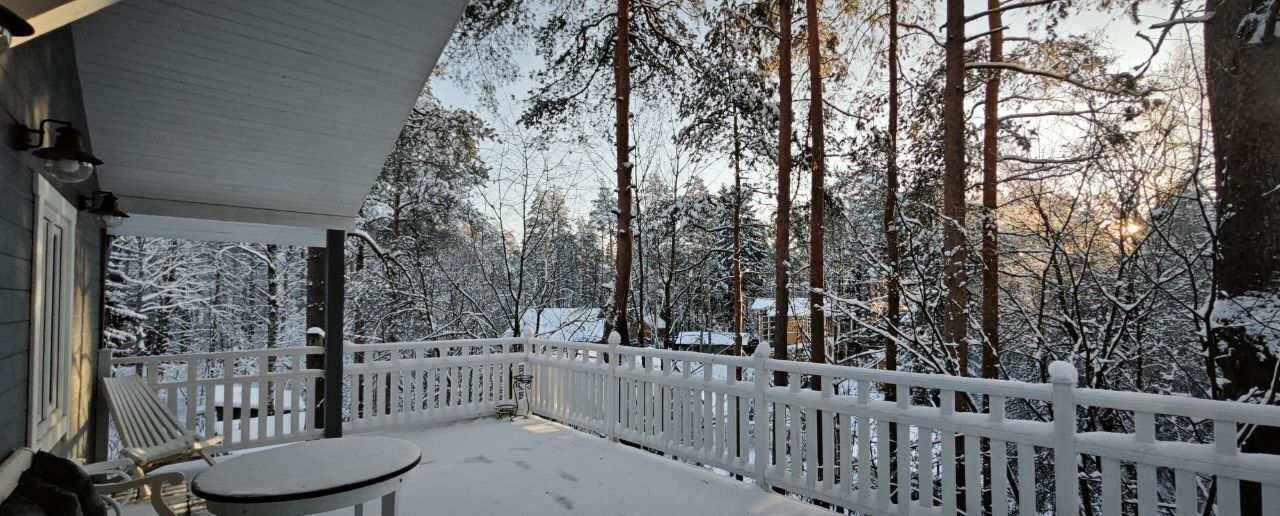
(334, 288)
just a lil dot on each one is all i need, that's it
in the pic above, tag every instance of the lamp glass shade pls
(108, 210)
(66, 159)
(68, 170)
(110, 221)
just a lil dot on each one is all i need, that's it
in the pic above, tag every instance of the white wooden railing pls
(436, 381)
(834, 445)
(250, 397)
(843, 445)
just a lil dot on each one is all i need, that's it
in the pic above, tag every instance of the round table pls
(309, 477)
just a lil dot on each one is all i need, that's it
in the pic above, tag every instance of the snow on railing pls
(251, 397)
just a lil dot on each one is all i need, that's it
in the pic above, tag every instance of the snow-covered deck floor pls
(536, 467)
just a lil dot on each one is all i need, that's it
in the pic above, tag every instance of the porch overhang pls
(252, 121)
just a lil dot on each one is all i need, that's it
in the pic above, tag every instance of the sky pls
(591, 167)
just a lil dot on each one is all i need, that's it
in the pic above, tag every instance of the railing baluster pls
(949, 481)
(999, 461)
(228, 372)
(863, 483)
(1224, 445)
(828, 441)
(709, 401)
(246, 409)
(1145, 432)
(780, 429)
(973, 474)
(264, 389)
(903, 437)
(846, 485)
(1185, 496)
(193, 394)
(1027, 480)
(1111, 478)
(809, 459)
(884, 461)
(924, 466)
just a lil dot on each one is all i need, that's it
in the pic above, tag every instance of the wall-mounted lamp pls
(66, 159)
(105, 207)
(12, 25)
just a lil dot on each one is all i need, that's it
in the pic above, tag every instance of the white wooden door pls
(52, 271)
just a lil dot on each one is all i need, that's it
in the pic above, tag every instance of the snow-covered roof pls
(797, 307)
(571, 324)
(714, 338)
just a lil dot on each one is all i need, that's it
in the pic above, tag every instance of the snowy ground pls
(535, 467)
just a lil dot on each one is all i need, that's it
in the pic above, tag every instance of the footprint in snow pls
(521, 463)
(567, 476)
(478, 458)
(560, 499)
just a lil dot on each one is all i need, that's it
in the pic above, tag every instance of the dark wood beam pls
(334, 291)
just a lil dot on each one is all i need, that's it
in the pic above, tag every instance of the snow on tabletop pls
(538, 468)
(307, 467)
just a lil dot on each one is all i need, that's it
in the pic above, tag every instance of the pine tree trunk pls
(782, 240)
(1244, 104)
(622, 89)
(894, 296)
(737, 244)
(990, 234)
(955, 305)
(955, 312)
(817, 218)
(817, 196)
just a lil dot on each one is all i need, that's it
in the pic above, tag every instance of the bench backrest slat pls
(141, 419)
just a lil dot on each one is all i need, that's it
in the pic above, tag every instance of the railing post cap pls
(763, 350)
(527, 331)
(615, 338)
(1061, 372)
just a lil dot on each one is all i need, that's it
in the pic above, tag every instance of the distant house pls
(798, 314)
(719, 342)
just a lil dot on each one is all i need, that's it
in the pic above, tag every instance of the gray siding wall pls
(39, 80)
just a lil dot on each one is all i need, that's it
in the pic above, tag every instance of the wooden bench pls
(152, 436)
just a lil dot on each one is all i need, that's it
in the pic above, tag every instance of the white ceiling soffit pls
(266, 113)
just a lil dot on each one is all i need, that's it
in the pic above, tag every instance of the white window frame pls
(52, 306)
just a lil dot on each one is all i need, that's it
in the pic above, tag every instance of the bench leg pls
(360, 509)
(389, 504)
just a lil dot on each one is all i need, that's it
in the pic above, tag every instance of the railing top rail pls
(666, 354)
(214, 355)
(429, 344)
(1266, 415)
(1007, 388)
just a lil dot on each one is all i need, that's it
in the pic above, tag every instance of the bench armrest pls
(155, 482)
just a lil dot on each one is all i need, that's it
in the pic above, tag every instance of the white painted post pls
(1063, 376)
(611, 388)
(762, 415)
